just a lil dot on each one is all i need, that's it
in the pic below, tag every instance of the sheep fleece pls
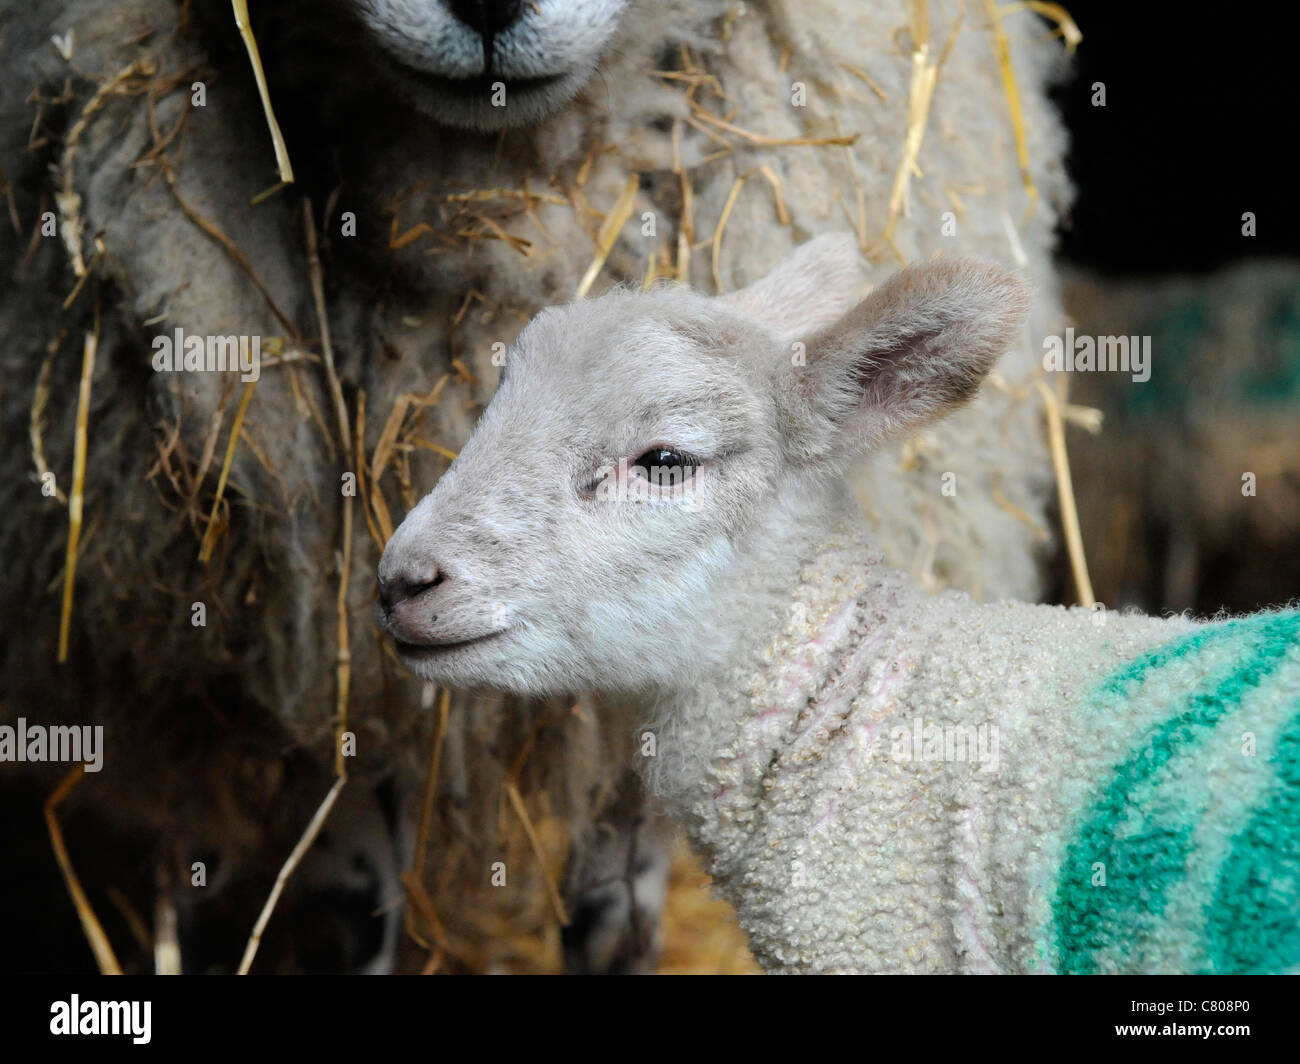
(1141, 814)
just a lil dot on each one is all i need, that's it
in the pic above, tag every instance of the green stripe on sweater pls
(1253, 924)
(1139, 832)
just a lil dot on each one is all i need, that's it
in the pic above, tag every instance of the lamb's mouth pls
(424, 651)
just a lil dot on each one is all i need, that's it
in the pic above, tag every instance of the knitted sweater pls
(903, 782)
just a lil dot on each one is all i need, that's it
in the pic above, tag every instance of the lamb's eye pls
(664, 467)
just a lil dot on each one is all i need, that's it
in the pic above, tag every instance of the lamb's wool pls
(1135, 806)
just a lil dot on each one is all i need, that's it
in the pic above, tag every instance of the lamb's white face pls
(590, 533)
(486, 64)
(628, 445)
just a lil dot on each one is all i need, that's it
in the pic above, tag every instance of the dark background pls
(1199, 126)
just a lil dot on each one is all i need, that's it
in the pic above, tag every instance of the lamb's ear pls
(807, 290)
(914, 349)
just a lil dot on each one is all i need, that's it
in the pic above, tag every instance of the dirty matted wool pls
(459, 239)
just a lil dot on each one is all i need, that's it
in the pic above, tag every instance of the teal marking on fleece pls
(1253, 925)
(1134, 828)
(1221, 784)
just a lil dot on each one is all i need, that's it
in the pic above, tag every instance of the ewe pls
(882, 779)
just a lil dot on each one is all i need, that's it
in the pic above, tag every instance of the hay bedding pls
(200, 489)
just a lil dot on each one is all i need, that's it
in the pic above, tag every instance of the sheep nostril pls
(394, 592)
(487, 17)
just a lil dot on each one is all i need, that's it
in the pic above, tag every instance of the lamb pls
(881, 779)
(435, 244)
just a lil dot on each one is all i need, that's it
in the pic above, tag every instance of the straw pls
(517, 801)
(94, 930)
(609, 230)
(304, 844)
(1065, 493)
(210, 533)
(277, 139)
(1013, 103)
(76, 500)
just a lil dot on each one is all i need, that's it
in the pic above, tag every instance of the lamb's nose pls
(399, 589)
(487, 17)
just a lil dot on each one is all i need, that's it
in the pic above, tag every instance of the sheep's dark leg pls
(616, 886)
(347, 910)
(340, 913)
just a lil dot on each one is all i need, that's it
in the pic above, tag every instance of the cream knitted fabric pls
(917, 783)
